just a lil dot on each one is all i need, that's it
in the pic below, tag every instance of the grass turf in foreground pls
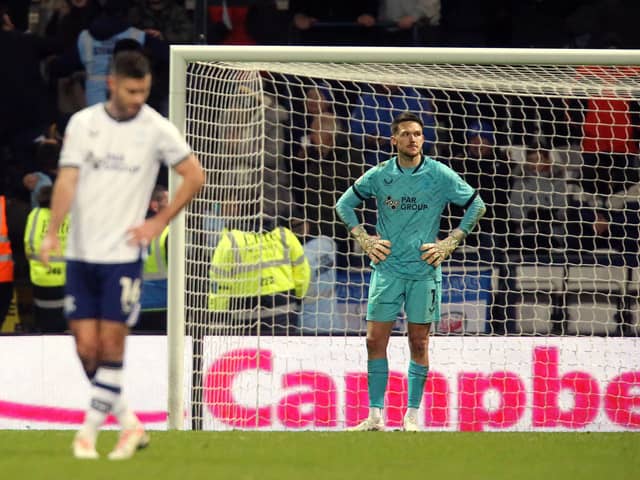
(337, 455)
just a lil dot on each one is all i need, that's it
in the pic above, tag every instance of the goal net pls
(539, 313)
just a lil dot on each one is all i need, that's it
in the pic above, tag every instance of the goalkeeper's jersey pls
(410, 203)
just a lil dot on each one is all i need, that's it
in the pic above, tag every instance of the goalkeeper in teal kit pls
(411, 192)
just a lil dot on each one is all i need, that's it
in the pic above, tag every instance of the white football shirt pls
(118, 162)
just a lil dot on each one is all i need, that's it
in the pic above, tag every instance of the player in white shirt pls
(108, 168)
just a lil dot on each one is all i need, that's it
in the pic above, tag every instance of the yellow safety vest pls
(155, 266)
(250, 264)
(34, 233)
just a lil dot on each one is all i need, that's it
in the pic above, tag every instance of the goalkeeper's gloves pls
(376, 248)
(436, 253)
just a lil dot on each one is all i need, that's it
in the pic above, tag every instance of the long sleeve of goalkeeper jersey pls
(472, 214)
(346, 205)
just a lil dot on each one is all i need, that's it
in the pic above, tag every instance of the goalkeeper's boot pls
(84, 447)
(369, 425)
(131, 440)
(410, 424)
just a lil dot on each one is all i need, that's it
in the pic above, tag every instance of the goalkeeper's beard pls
(406, 156)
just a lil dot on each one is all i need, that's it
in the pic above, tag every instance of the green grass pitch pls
(337, 455)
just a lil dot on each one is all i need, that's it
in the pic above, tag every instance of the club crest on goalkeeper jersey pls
(118, 164)
(409, 205)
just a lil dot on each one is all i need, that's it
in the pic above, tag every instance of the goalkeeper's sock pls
(417, 377)
(105, 390)
(378, 374)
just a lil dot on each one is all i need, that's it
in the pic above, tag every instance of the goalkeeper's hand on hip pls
(375, 247)
(436, 253)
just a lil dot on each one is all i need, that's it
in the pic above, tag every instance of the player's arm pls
(376, 248)
(64, 190)
(436, 253)
(192, 180)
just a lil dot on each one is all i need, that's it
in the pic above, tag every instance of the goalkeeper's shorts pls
(388, 295)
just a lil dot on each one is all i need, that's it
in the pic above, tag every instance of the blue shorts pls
(109, 291)
(387, 295)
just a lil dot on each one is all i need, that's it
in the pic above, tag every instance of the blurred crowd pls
(557, 181)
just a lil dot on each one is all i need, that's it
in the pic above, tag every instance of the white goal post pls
(216, 89)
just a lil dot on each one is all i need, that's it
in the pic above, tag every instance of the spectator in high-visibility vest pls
(153, 301)
(258, 278)
(6, 263)
(48, 281)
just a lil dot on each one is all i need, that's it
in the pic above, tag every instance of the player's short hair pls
(130, 64)
(125, 44)
(405, 117)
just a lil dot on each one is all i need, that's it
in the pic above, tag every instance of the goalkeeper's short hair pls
(405, 117)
